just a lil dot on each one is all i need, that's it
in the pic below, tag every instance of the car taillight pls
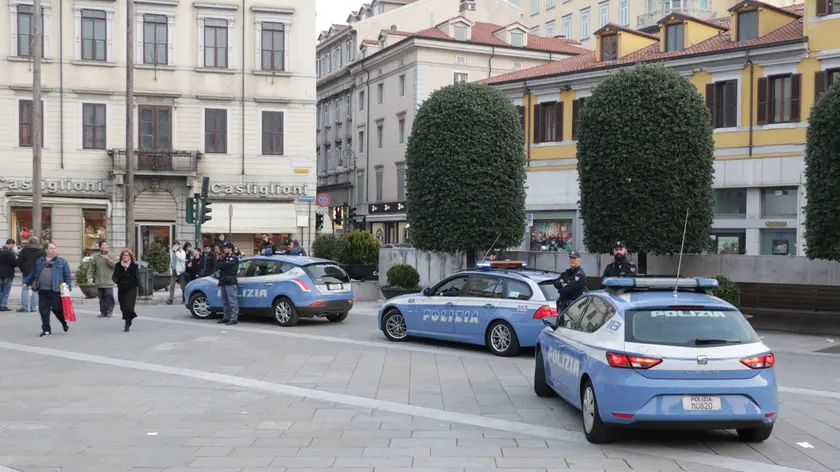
(544, 312)
(760, 362)
(302, 285)
(625, 361)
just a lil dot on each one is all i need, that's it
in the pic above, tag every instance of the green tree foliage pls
(822, 178)
(158, 258)
(645, 154)
(466, 171)
(403, 276)
(327, 246)
(727, 290)
(359, 247)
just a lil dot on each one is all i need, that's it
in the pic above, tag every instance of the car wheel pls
(501, 339)
(393, 326)
(755, 435)
(284, 312)
(541, 387)
(595, 430)
(199, 306)
(338, 317)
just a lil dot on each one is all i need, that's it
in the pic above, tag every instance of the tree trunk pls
(471, 258)
(642, 266)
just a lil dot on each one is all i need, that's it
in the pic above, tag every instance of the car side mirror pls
(551, 321)
(427, 291)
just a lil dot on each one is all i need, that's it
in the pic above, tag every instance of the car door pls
(480, 299)
(262, 284)
(578, 340)
(243, 278)
(560, 362)
(431, 315)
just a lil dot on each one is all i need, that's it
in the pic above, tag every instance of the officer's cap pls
(620, 244)
(574, 255)
(229, 245)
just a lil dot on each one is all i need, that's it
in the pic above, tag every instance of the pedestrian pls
(621, 267)
(220, 242)
(26, 260)
(208, 261)
(217, 250)
(100, 273)
(237, 252)
(50, 272)
(571, 284)
(267, 247)
(8, 263)
(125, 276)
(177, 263)
(295, 249)
(193, 265)
(229, 286)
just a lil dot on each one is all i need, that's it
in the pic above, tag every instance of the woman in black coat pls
(125, 276)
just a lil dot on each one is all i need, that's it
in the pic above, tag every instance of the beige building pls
(579, 19)
(367, 108)
(224, 90)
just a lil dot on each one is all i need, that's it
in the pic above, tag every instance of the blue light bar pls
(660, 283)
(482, 265)
(501, 265)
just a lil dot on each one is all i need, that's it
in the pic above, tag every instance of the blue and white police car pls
(658, 353)
(498, 304)
(284, 287)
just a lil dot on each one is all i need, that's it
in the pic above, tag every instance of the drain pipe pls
(61, 80)
(752, 82)
(490, 61)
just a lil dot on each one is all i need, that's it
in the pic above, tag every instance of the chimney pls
(466, 7)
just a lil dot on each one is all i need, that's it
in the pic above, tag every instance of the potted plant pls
(729, 292)
(402, 280)
(82, 281)
(158, 259)
(359, 255)
(327, 246)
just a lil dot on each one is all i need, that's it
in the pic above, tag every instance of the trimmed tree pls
(822, 178)
(645, 154)
(466, 172)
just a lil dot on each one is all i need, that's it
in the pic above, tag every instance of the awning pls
(383, 218)
(49, 201)
(252, 218)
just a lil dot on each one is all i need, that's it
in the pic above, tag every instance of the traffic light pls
(192, 209)
(319, 222)
(337, 220)
(206, 210)
(351, 217)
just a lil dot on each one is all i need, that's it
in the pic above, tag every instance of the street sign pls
(230, 211)
(322, 210)
(529, 219)
(323, 200)
(383, 208)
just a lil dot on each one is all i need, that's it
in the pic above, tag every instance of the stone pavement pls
(178, 394)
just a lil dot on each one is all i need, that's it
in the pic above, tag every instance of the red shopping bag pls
(67, 304)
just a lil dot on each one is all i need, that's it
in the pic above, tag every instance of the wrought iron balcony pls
(157, 162)
(700, 9)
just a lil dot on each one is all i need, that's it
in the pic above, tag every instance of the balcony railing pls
(158, 162)
(700, 9)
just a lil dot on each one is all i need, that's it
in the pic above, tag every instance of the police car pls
(659, 353)
(285, 288)
(499, 304)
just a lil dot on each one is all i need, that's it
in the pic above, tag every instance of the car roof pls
(641, 300)
(296, 260)
(536, 276)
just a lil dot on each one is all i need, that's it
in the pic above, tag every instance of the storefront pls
(388, 222)
(756, 221)
(156, 211)
(552, 231)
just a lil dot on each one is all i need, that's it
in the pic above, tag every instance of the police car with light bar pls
(658, 353)
(498, 304)
(285, 288)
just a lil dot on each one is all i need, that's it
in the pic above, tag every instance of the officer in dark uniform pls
(228, 285)
(621, 267)
(572, 282)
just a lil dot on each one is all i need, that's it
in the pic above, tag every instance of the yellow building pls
(760, 68)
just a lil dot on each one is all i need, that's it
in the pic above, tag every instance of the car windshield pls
(326, 273)
(700, 326)
(549, 290)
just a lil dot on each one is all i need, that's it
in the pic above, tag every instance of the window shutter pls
(795, 97)
(558, 122)
(521, 111)
(822, 7)
(537, 123)
(730, 102)
(575, 117)
(820, 84)
(763, 99)
(710, 102)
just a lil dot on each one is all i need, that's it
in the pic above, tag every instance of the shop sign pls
(54, 185)
(259, 189)
(776, 224)
(383, 208)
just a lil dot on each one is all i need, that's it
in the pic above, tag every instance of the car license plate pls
(701, 403)
(335, 286)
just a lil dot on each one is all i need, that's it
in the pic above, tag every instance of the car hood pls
(203, 281)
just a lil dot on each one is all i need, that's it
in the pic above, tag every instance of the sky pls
(333, 11)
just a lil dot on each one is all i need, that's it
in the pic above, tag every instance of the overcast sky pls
(333, 11)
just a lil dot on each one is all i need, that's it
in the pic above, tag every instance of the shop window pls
(95, 229)
(731, 203)
(551, 235)
(779, 202)
(22, 224)
(778, 242)
(727, 243)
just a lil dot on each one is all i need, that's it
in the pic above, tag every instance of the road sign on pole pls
(323, 200)
(230, 221)
(529, 219)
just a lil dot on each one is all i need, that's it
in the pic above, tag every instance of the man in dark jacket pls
(572, 282)
(8, 263)
(228, 285)
(208, 261)
(267, 247)
(621, 267)
(26, 259)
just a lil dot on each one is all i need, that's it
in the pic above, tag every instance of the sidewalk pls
(159, 297)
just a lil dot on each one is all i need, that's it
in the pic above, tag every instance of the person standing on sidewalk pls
(209, 259)
(50, 272)
(229, 286)
(26, 259)
(125, 276)
(8, 263)
(100, 273)
(178, 265)
(193, 265)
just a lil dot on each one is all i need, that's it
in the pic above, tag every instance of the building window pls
(460, 77)
(828, 7)
(535, 30)
(360, 187)
(378, 185)
(730, 203)
(779, 202)
(94, 35)
(95, 229)
(577, 108)
(674, 37)
(215, 131)
(549, 29)
(604, 15)
(778, 242)
(402, 85)
(273, 47)
(549, 4)
(460, 33)
(551, 235)
(747, 25)
(548, 122)
(722, 100)
(624, 12)
(609, 47)
(400, 183)
(26, 29)
(401, 128)
(379, 136)
(779, 99)
(535, 7)
(517, 39)
(155, 41)
(272, 133)
(361, 141)
(823, 80)
(567, 26)
(26, 120)
(93, 126)
(155, 127)
(380, 93)
(361, 99)
(584, 24)
(215, 43)
(727, 243)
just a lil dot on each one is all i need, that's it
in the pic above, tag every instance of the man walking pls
(101, 274)
(8, 262)
(26, 260)
(178, 265)
(50, 272)
(229, 286)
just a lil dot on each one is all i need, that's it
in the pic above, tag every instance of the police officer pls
(621, 267)
(228, 285)
(572, 282)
